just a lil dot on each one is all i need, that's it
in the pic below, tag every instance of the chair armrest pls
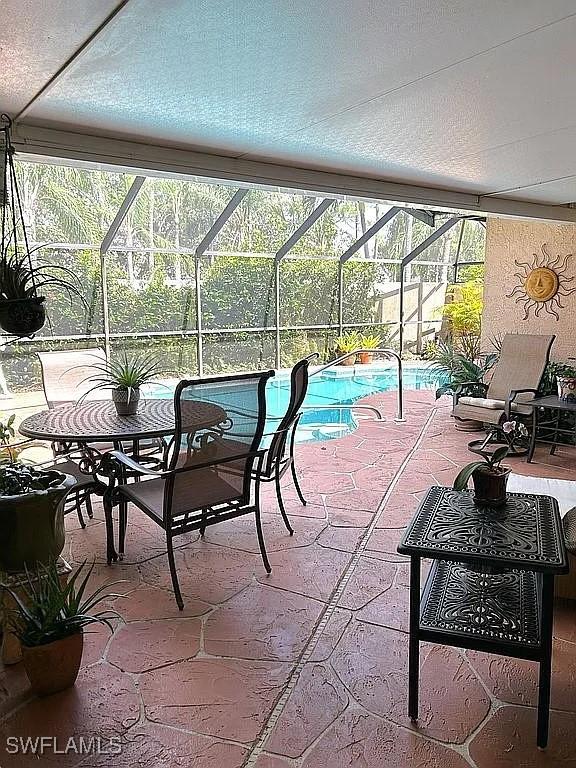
(129, 462)
(512, 397)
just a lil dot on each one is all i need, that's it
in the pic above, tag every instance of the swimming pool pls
(340, 386)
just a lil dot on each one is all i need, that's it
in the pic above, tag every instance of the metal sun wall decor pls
(542, 282)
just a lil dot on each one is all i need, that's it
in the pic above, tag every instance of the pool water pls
(341, 387)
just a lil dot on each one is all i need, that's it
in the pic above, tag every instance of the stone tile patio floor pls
(307, 667)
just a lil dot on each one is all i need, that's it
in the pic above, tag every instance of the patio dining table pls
(96, 422)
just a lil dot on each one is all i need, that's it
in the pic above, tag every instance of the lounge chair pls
(212, 475)
(515, 380)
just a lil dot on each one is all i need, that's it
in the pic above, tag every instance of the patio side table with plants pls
(491, 585)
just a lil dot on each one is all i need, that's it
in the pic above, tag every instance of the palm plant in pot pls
(348, 342)
(31, 510)
(22, 276)
(49, 618)
(125, 376)
(368, 342)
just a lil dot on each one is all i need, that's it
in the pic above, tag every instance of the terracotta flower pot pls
(53, 667)
(32, 527)
(490, 486)
(125, 406)
(366, 357)
(351, 360)
(22, 317)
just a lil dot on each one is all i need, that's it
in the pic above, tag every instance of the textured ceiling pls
(472, 96)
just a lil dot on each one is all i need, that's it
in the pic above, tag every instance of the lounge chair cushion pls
(492, 404)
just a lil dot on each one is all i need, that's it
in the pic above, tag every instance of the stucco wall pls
(509, 240)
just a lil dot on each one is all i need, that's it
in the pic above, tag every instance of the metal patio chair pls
(280, 449)
(212, 472)
(515, 380)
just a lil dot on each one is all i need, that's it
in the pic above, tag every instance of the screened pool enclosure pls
(215, 278)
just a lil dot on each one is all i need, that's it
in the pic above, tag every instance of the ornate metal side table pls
(548, 430)
(491, 585)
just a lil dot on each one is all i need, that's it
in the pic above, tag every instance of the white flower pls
(509, 426)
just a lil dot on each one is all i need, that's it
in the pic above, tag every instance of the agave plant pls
(48, 610)
(125, 373)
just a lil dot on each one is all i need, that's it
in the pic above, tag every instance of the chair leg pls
(122, 525)
(297, 484)
(173, 574)
(261, 543)
(281, 505)
(78, 504)
(111, 554)
(203, 524)
(88, 501)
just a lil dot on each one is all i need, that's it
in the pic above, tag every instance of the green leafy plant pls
(370, 341)
(490, 460)
(127, 373)
(464, 311)
(50, 610)
(348, 342)
(18, 479)
(21, 280)
(452, 368)
(7, 431)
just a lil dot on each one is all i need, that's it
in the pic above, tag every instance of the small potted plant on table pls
(489, 477)
(566, 381)
(368, 342)
(348, 342)
(49, 618)
(124, 376)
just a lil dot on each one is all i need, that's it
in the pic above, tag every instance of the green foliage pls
(452, 368)
(7, 432)
(17, 479)
(465, 309)
(490, 460)
(50, 610)
(370, 341)
(129, 373)
(348, 342)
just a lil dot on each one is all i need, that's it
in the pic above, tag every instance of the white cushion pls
(493, 405)
(483, 402)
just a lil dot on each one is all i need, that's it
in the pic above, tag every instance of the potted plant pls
(31, 515)
(368, 342)
(566, 381)
(489, 478)
(22, 308)
(348, 342)
(124, 376)
(49, 618)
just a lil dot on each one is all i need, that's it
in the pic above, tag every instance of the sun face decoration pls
(542, 283)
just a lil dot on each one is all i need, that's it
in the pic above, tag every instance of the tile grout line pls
(331, 605)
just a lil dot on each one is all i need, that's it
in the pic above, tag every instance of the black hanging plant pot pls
(22, 317)
(23, 277)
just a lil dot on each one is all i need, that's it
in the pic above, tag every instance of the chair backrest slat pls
(521, 365)
(298, 390)
(65, 373)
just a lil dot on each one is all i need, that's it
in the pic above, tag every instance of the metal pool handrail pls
(341, 407)
(384, 351)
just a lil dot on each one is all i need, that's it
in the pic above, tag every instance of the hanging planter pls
(22, 306)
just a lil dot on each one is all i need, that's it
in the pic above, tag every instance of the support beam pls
(429, 240)
(307, 224)
(369, 234)
(219, 223)
(107, 241)
(426, 216)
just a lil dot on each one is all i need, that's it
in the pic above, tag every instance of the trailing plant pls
(49, 610)
(20, 279)
(126, 373)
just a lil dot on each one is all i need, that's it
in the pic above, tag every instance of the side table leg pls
(545, 660)
(414, 643)
(533, 435)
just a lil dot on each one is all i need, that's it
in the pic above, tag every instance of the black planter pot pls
(22, 317)
(490, 486)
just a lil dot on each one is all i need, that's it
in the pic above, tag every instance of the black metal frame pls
(116, 463)
(551, 428)
(532, 572)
